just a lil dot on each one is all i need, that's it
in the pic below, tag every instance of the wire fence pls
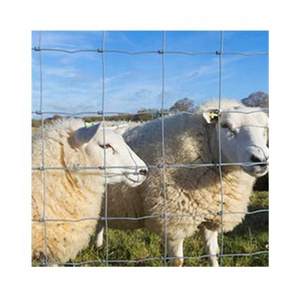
(41, 113)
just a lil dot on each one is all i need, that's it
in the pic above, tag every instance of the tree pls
(184, 104)
(257, 99)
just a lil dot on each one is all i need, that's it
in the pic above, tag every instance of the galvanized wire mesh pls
(102, 112)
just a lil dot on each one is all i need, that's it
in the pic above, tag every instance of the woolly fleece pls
(193, 194)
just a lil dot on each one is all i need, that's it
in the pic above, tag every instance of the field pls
(141, 246)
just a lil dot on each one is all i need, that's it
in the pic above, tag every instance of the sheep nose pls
(254, 158)
(259, 155)
(259, 158)
(143, 172)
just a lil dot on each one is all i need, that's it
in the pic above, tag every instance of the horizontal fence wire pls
(150, 259)
(153, 216)
(101, 113)
(188, 166)
(148, 52)
(165, 216)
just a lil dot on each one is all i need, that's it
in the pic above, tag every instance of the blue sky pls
(73, 82)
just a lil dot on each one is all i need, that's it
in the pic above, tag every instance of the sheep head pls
(242, 132)
(106, 149)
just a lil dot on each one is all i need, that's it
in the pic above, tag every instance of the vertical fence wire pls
(163, 61)
(220, 53)
(104, 152)
(43, 152)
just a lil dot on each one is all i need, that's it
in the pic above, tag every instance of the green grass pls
(249, 237)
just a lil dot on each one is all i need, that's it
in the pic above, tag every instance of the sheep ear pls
(211, 116)
(120, 129)
(85, 134)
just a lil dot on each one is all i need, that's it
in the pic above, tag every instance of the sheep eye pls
(224, 125)
(231, 132)
(106, 146)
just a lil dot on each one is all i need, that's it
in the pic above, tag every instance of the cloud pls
(143, 93)
(201, 72)
(131, 97)
(112, 80)
(69, 40)
(73, 82)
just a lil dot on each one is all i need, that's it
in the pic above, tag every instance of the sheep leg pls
(211, 246)
(175, 250)
(99, 235)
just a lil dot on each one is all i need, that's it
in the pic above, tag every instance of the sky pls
(73, 82)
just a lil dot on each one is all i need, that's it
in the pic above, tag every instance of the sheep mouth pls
(256, 170)
(135, 179)
(131, 179)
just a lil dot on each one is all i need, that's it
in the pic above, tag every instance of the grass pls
(146, 248)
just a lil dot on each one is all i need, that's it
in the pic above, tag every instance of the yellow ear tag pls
(213, 115)
(89, 124)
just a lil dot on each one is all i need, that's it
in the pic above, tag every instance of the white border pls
(19, 279)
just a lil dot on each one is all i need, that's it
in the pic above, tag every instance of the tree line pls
(257, 99)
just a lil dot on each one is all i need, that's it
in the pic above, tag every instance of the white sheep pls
(193, 193)
(68, 183)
